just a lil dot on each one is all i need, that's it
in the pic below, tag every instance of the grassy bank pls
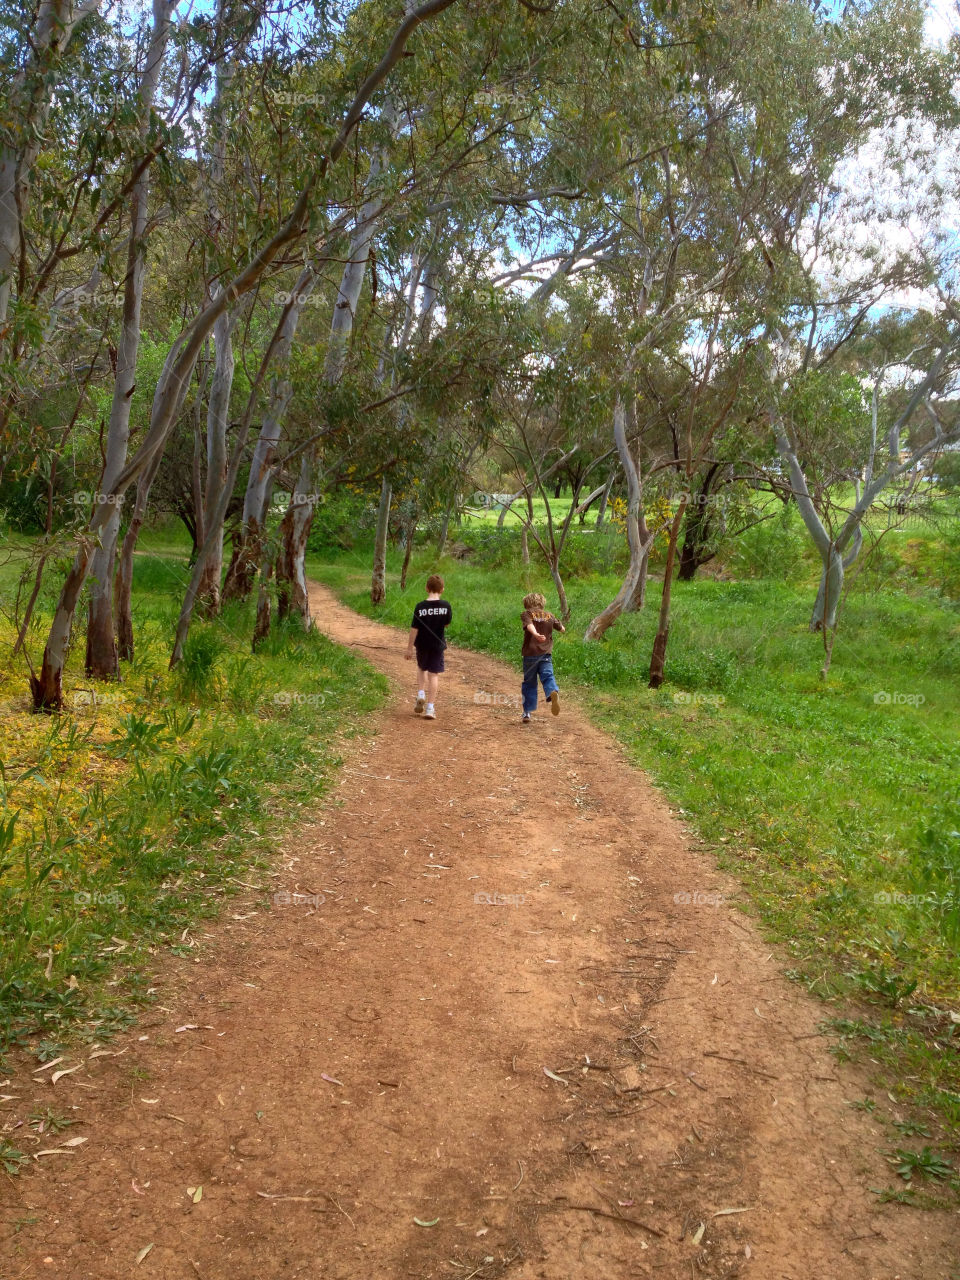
(836, 802)
(136, 812)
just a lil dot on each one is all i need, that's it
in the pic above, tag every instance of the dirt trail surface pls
(497, 1045)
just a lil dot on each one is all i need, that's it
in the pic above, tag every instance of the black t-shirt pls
(431, 617)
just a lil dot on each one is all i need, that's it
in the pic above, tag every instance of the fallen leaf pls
(72, 983)
(195, 1194)
(330, 1079)
(64, 1149)
(698, 1234)
(138, 1190)
(554, 1076)
(420, 1222)
(722, 1213)
(68, 1071)
(187, 1026)
(143, 1253)
(483, 1231)
(47, 1065)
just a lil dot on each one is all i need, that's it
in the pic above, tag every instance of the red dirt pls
(692, 1080)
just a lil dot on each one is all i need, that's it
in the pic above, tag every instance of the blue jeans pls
(541, 666)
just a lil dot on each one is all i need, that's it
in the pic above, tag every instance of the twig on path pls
(602, 1213)
(335, 1201)
(712, 1053)
(520, 1179)
(689, 1075)
(304, 1199)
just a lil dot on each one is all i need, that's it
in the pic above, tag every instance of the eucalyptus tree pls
(172, 386)
(34, 48)
(101, 657)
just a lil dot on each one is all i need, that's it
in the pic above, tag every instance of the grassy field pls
(836, 802)
(139, 810)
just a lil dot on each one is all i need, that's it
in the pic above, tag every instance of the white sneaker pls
(429, 714)
(526, 718)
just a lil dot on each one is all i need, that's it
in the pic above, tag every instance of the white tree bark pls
(378, 588)
(639, 538)
(101, 657)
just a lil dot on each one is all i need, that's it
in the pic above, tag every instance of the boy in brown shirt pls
(537, 654)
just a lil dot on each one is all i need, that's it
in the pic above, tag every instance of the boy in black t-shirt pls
(431, 617)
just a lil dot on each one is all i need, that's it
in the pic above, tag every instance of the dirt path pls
(498, 902)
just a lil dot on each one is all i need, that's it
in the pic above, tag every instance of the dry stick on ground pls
(603, 1213)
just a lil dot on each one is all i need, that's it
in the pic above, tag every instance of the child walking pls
(537, 654)
(431, 617)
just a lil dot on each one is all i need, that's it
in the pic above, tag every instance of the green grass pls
(838, 810)
(139, 811)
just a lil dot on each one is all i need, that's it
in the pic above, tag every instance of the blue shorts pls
(429, 660)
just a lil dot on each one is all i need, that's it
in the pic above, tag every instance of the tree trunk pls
(47, 688)
(218, 413)
(124, 582)
(378, 586)
(605, 498)
(561, 592)
(830, 591)
(444, 529)
(524, 546)
(659, 654)
(101, 657)
(694, 540)
(639, 538)
(409, 535)
(292, 546)
(247, 552)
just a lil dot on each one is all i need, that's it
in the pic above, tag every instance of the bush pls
(772, 549)
(338, 519)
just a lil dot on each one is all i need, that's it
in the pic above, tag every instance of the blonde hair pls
(535, 601)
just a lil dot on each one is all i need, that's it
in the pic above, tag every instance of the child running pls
(537, 654)
(431, 617)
